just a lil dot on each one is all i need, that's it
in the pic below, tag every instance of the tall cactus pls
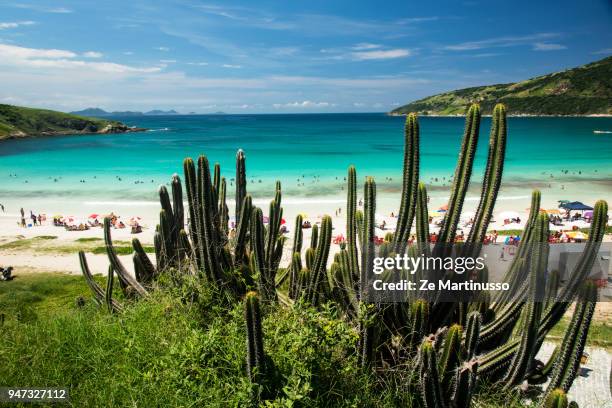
(241, 183)
(409, 184)
(462, 175)
(493, 174)
(351, 222)
(567, 363)
(524, 358)
(368, 246)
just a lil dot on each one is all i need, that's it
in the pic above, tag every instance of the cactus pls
(125, 278)
(523, 359)
(430, 387)
(241, 182)
(493, 173)
(462, 175)
(472, 334)
(351, 222)
(109, 289)
(464, 385)
(450, 357)
(319, 263)
(556, 399)
(256, 358)
(314, 236)
(422, 219)
(419, 321)
(409, 184)
(367, 249)
(568, 361)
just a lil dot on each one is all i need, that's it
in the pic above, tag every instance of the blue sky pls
(283, 56)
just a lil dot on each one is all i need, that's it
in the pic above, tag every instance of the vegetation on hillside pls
(17, 121)
(578, 91)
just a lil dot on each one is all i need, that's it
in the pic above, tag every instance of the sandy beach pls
(51, 248)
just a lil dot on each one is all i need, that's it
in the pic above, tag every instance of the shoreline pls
(70, 133)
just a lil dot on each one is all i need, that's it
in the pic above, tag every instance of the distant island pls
(19, 122)
(101, 113)
(585, 90)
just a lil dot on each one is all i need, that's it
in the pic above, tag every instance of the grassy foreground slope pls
(17, 121)
(584, 90)
(183, 348)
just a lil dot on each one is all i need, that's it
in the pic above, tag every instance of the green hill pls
(584, 90)
(17, 121)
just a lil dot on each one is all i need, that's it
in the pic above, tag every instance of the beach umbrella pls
(588, 214)
(266, 219)
(134, 221)
(435, 214)
(577, 235)
(553, 211)
(94, 216)
(443, 208)
(283, 221)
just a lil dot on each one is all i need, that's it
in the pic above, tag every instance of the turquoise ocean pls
(308, 153)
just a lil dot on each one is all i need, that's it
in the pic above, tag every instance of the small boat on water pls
(602, 131)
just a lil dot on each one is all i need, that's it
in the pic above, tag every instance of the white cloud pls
(508, 41)
(60, 59)
(15, 24)
(163, 49)
(128, 53)
(15, 52)
(93, 54)
(43, 9)
(365, 46)
(541, 46)
(201, 64)
(303, 104)
(231, 66)
(381, 54)
(167, 61)
(358, 104)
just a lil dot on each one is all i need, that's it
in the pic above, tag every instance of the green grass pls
(122, 249)
(186, 347)
(88, 239)
(167, 351)
(45, 244)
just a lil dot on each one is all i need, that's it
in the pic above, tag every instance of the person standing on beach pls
(23, 223)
